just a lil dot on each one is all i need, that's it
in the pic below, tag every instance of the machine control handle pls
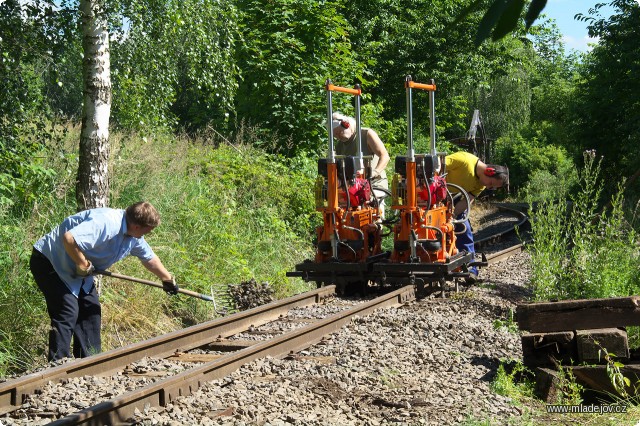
(413, 85)
(332, 88)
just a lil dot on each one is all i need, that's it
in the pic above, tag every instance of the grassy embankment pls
(580, 251)
(229, 214)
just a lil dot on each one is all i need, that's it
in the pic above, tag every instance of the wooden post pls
(571, 315)
(548, 349)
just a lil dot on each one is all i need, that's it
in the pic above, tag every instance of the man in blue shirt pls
(62, 263)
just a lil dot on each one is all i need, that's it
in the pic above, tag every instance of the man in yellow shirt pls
(468, 172)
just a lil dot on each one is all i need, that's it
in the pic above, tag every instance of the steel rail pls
(120, 409)
(504, 254)
(523, 220)
(13, 392)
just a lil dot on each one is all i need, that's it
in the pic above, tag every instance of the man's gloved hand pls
(170, 286)
(85, 272)
(375, 175)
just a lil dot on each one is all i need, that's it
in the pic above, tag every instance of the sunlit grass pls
(229, 214)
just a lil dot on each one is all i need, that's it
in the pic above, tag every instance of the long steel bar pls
(120, 409)
(523, 219)
(154, 284)
(504, 254)
(13, 392)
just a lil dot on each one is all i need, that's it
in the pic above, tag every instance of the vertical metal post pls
(358, 130)
(411, 202)
(410, 150)
(331, 154)
(432, 113)
(332, 167)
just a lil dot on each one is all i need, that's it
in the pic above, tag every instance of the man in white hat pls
(344, 130)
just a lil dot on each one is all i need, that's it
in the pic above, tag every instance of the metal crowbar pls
(155, 284)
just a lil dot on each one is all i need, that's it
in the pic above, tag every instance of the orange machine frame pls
(419, 224)
(343, 224)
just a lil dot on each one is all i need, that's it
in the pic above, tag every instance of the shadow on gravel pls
(491, 363)
(489, 308)
(514, 293)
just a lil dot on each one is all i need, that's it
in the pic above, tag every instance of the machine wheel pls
(432, 245)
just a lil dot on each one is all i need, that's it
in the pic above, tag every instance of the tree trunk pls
(92, 188)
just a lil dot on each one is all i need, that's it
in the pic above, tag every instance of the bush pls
(230, 213)
(584, 252)
(285, 61)
(531, 163)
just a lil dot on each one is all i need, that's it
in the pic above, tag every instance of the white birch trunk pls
(92, 188)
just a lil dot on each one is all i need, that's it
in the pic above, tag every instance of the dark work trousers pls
(464, 240)
(70, 315)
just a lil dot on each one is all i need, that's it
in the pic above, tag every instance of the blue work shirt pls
(101, 235)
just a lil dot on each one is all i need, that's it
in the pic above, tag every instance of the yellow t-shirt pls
(461, 171)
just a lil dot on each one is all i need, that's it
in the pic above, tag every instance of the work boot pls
(473, 276)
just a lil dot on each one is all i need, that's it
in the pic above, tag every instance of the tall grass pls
(581, 251)
(229, 213)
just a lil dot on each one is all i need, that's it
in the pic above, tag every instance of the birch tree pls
(92, 188)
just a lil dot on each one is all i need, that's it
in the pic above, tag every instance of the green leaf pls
(509, 19)
(535, 8)
(465, 12)
(489, 20)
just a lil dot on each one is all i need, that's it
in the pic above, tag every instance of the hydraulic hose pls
(426, 183)
(465, 194)
(346, 190)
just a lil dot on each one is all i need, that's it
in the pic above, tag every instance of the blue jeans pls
(464, 241)
(71, 316)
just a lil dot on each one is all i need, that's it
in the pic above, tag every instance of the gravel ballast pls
(429, 362)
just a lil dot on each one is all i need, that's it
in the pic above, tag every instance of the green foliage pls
(512, 380)
(553, 83)
(618, 380)
(608, 114)
(22, 311)
(570, 390)
(290, 48)
(507, 323)
(532, 163)
(64, 81)
(515, 381)
(173, 63)
(198, 64)
(229, 213)
(30, 40)
(502, 17)
(23, 317)
(415, 41)
(26, 181)
(582, 252)
(506, 103)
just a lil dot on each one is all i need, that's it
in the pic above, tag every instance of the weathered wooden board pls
(548, 349)
(586, 314)
(547, 384)
(595, 377)
(593, 343)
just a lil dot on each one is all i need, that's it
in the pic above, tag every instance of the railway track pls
(503, 237)
(211, 363)
(203, 352)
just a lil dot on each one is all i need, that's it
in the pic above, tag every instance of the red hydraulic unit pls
(424, 247)
(349, 240)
